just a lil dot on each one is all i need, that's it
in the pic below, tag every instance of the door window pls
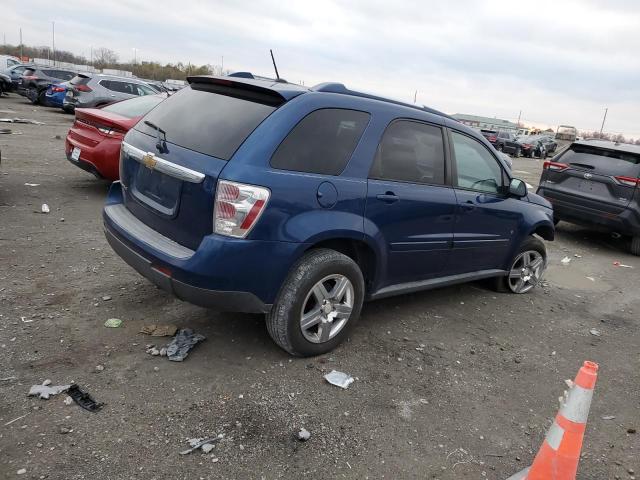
(410, 152)
(143, 89)
(476, 168)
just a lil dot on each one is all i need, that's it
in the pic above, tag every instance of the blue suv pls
(255, 195)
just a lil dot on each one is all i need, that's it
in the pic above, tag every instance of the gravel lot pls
(454, 383)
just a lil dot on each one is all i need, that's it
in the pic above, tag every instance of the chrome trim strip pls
(164, 166)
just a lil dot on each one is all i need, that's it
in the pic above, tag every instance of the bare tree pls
(103, 57)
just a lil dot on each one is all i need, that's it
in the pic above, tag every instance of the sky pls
(557, 62)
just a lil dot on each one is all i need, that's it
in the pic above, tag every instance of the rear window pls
(29, 71)
(61, 74)
(211, 123)
(134, 107)
(322, 142)
(602, 160)
(80, 80)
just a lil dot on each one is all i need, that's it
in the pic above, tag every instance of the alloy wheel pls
(327, 308)
(527, 270)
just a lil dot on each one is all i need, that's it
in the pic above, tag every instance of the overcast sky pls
(560, 61)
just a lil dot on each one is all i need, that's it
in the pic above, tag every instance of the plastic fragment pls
(113, 323)
(595, 332)
(196, 443)
(618, 264)
(304, 435)
(339, 379)
(45, 391)
(45, 208)
(178, 348)
(83, 399)
(565, 261)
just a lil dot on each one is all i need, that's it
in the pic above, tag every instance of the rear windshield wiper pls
(161, 145)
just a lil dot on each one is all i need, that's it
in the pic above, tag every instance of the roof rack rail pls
(336, 87)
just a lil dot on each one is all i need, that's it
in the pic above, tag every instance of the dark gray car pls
(34, 81)
(596, 183)
(94, 90)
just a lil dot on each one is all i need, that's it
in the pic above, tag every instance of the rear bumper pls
(223, 273)
(626, 222)
(220, 300)
(99, 156)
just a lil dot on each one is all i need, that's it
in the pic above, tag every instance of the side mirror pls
(517, 188)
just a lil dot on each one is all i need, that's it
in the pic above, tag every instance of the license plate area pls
(75, 154)
(157, 190)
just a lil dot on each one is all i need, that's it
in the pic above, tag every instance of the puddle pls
(573, 279)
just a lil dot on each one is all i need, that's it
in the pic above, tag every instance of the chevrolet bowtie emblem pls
(149, 161)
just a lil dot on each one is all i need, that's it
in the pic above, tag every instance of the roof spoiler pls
(237, 88)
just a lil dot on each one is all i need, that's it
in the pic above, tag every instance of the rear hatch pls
(171, 160)
(593, 176)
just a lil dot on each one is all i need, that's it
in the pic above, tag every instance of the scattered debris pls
(207, 447)
(21, 120)
(631, 430)
(152, 350)
(196, 443)
(591, 278)
(31, 184)
(159, 330)
(113, 323)
(304, 435)
(577, 256)
(45, 391)
(618, 264)
(68, 400)
(8, 379)
(15, 419)
(24, 320)
(5, 131)
(22, 471)
(565, 261)
(178, 348)
(44, 208)
(64, 430)
(83, 399)
(106, 298)
(99, 368)
(339, 379)
(595, 332)
(47, 382)
(608, 417)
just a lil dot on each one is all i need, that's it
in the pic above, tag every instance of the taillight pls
(526, 145)
(628, 181)
(554, 166)
(58, 89)
(83, 88)
(493, 139)
(238, 208)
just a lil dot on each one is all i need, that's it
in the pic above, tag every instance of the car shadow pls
(590, 239)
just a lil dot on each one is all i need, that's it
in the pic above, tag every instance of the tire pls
(556, 221)
(537, 252)
(635, 245)
(300, 293)
(500, 148)
(42, 98)
(32, 95)
(517, 153)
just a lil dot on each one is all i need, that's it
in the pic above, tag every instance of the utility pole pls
(222, 67)
(519, 115)
(415, 96)
(53, 40)
(92, 55)
(603, 120)
(21, 44)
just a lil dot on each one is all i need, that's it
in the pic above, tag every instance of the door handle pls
(388, 197)
(468, 206)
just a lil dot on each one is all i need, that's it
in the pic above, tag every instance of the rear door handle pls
(388, 197)
(468, 206)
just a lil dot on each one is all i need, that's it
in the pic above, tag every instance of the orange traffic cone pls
(558, 457)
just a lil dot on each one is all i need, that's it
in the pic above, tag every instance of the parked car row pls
(526, 145)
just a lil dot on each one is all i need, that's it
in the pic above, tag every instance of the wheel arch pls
(544, 230)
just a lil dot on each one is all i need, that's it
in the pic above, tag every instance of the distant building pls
(475, 121)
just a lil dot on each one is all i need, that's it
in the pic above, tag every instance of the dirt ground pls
(450, 384)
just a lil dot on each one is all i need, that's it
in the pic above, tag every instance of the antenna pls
(274, 65)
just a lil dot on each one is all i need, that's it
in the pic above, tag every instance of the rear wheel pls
(42, 99)
(635, 245)
(318, 304)
(32, 95)
(527, 268)
(517, 153)
(500, 148)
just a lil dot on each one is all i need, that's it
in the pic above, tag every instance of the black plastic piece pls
(83, 399)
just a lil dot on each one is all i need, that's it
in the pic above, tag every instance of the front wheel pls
(318, 304)
(635, 245)
(526, 269)
(517, 152)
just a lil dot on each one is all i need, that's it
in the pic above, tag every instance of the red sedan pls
(93, 142)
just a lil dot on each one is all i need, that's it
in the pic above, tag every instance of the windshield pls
(207, 122)
(135, 107)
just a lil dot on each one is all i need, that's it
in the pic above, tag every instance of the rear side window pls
(134, 107)
(410, 152)
(29, 72)
(322, 142)
(207, 122)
